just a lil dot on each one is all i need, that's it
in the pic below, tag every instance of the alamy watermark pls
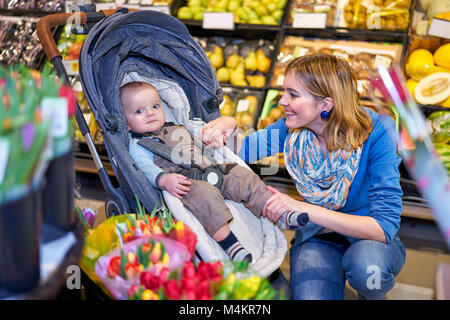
(74, 279)
(374, 280)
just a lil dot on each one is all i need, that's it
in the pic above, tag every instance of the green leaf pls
(123, 262)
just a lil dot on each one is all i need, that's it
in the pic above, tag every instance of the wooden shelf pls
(88, 165)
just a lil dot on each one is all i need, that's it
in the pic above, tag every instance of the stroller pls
(156, 48)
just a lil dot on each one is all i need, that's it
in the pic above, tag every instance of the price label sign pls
(105, 6)
(439, 28)
(306, 20)
(72, 67)
(242, 105)
(163, 9)
(218, 20)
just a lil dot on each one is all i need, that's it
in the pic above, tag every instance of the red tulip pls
(134, 289)
(164, 273)
(190, 295)
(149, 281)
(172, 290)
(188, 270)
(203, 291)
(188, 284)
(114, 267)
(67, 92)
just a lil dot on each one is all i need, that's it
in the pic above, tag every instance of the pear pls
(262, 62)
(250, 61)
(256, 81)
(237, 76)
(217, 57)
(233, 61)
(223, 74)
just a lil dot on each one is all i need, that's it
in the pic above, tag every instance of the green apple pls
(261, 10)
(222, 4)
(272, 7)
(268, 20)
(184, 13)
(198, 15)
(252, 15)
(254, 4)
(278, 14)
(233, 5)
(281, 4)
(194, 3)
(242, 14)
(257, 21)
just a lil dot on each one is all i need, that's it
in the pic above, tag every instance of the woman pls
(345, 167)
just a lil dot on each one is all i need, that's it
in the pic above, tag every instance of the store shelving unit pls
(275, 34)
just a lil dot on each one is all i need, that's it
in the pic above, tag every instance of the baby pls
(147, 125)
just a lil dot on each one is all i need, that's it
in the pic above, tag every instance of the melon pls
(433, 89)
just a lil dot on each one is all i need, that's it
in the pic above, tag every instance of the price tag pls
(280, 80)
(55, 109)
(105, 6)
(309, 20)
(163, 9)
(218, 20)
(439, 28)
(72, 67)
(242, 105)
(146, 2)
(4, 153)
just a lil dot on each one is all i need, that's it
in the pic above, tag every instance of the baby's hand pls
(175, 183)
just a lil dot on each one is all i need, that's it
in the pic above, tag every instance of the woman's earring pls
(324, 114)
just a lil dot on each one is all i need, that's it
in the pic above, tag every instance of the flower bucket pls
(58, 193)
(19, 238)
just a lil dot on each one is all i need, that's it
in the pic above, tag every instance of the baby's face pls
(143, 109)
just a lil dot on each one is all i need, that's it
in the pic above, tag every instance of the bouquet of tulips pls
(125, 228)
(123, 267)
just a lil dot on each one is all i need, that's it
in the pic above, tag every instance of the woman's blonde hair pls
(324, 75)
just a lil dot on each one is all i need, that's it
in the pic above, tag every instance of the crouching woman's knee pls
(371, 266)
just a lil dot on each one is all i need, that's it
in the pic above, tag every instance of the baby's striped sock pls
(235, 249)
(292, 219)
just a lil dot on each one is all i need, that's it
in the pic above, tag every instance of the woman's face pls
(301, 108)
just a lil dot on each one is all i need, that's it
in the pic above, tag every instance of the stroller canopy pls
(153, 44)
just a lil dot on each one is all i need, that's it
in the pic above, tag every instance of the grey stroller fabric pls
(158, 46)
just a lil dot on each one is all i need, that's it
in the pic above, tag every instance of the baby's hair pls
(136, 85)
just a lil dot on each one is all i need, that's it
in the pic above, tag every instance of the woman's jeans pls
(320, 266)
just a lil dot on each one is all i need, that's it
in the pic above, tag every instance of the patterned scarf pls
(323, 181)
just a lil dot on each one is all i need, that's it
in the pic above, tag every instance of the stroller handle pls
(45, 25)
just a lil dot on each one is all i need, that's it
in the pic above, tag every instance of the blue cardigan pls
(375, 190)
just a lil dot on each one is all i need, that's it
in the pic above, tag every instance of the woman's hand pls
(216, 132)
(278, 204)
(176, 184)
